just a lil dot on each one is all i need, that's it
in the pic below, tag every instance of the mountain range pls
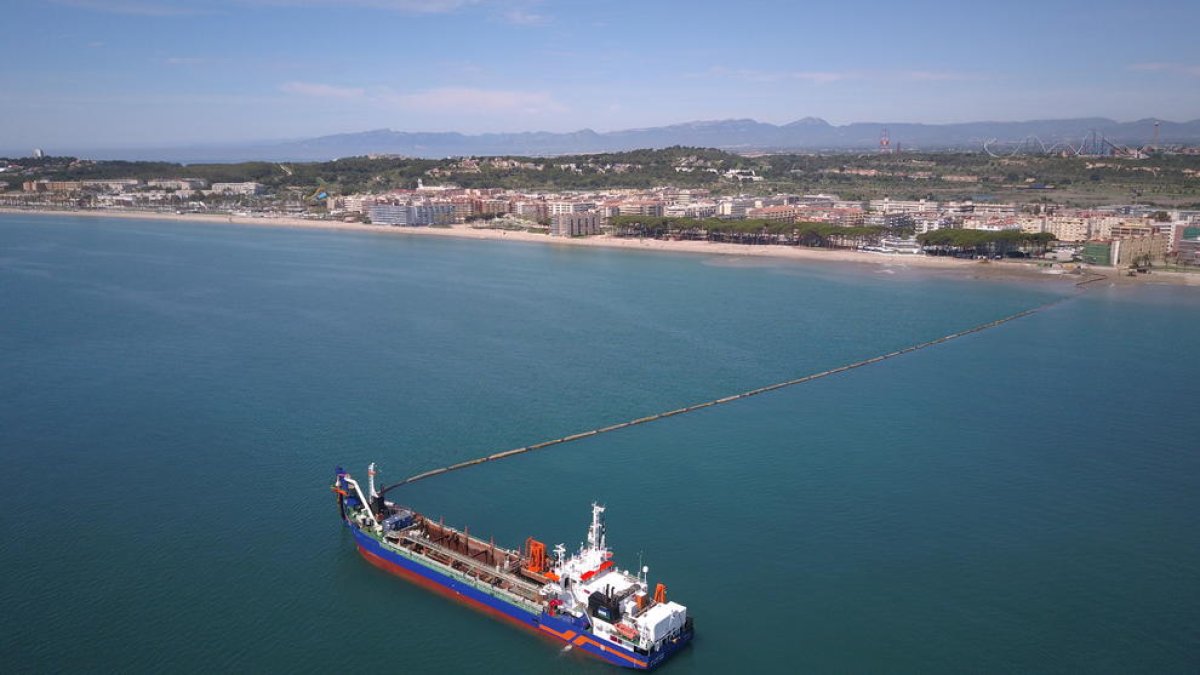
(809, 134)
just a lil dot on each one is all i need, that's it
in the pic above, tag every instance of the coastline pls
(959, 267)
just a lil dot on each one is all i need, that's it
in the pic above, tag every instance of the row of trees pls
(648, 168)
(984, 242)
(749, 231)
(827, 235)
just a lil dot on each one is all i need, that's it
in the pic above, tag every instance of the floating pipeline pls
(737, 397)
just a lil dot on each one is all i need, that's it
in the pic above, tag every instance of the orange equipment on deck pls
(660, 593)
(535, 556)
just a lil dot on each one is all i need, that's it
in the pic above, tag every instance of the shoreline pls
(958, 267)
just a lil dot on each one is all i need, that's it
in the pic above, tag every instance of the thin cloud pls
(1173, 68)
(402, 6)
(939, 76)
(520, 17)
(462, 68)
(466, 99)
(135, 7)
(192, 7)
(829, 76)
(185, 61)
(440, 100)
(318, 90)
(818, 77)
(750, 75)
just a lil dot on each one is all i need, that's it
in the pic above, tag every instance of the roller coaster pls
(1093, 144)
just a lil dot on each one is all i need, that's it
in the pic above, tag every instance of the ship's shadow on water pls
(1023, 495)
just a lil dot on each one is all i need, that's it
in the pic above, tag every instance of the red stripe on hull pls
(389, 566)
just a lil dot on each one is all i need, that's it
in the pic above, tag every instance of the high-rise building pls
(575, 224)
(412, 215)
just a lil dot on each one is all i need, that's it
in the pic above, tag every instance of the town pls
(739, 203)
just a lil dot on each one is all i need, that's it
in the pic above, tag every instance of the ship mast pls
(595, 537)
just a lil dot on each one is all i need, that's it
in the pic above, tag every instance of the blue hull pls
(565, 629)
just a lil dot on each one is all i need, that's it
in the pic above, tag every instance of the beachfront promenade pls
(865, 260)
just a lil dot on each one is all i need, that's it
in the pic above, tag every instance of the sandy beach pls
(955, 266)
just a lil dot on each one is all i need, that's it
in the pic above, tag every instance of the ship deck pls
(489, 565)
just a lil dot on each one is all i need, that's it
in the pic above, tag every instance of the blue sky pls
(106, 73)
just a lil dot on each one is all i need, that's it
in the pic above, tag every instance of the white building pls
(177, 183)
(736, 207)
(1068, 228)
(112, 184)
(531, 209)
(565, 206)
(248, 188)
(692, 210)
(887, 205)
(358, 203)
(990, 224)
(928, 221)
(641, 207)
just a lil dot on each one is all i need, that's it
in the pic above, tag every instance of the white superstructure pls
(616, 602)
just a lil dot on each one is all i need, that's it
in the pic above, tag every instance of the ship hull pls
(560, 629)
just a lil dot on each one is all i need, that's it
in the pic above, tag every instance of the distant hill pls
(808, 134)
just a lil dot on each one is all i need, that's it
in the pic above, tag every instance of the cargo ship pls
(582, 600)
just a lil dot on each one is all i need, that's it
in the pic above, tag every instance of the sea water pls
(174, 399)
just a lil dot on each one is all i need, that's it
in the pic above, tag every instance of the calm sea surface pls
(174, 398)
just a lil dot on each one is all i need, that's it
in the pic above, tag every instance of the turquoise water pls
(175, 397)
